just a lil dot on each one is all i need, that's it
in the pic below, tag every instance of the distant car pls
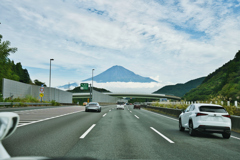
(93, 106)
(120, 105)
(137, 105)
(205, 118)
(84, 103)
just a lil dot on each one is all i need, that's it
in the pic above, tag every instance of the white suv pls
(205, 118)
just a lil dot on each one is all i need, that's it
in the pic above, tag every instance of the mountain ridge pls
(222, 84)
(119, 74)
(180, 89)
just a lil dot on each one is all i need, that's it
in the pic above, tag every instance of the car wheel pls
(99, 110)
(86, 110)
(192, 131)
(226, 135)
(180, 126)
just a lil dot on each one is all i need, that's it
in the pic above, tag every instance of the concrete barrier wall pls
(176, 112)
(100, 97)
(16, 89)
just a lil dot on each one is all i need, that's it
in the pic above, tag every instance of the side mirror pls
(8, 125)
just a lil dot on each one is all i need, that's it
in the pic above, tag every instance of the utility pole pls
(50, 81)
(92, 84)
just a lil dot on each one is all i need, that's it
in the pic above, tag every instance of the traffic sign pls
(41, 95)
(84, 86)
(41, 90)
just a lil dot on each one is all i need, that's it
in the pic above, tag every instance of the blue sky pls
(169, 41)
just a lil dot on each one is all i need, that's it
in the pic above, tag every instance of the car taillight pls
(201, 114)
(226, 116)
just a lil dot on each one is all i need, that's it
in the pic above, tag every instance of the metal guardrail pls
(18, 103)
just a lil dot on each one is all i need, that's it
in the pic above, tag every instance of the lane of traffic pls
(212, 143)
(120, 135)
(51, 138)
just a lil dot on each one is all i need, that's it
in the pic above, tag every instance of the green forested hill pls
(78, 90)
(8, 69)
(223, 84)
(180, 89)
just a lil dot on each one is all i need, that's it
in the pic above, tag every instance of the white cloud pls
(129, 87)
(173, 42)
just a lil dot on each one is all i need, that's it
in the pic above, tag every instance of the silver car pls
(93, 106)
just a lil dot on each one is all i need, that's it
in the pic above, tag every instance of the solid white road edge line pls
(235, 137)
(47, 119)
(136, 116)
(84, 134)
(104, 114)
(162, 135)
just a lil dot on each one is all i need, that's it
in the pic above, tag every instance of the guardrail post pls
(228, 103)
(236, 103)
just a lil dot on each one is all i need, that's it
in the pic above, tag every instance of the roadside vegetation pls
(22, 102)
(232, 110)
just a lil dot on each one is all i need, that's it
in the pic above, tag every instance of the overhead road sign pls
(84, 86)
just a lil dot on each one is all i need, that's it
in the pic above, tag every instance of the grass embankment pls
(28, 99)
(232, 110)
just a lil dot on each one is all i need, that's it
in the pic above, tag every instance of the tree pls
(5, 64)
(39, 83)
(5, 50)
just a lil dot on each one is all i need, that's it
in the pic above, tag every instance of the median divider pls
(177, 112)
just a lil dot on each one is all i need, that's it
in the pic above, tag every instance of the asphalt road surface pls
(113, 134)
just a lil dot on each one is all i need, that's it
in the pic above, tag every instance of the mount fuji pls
(119, 74)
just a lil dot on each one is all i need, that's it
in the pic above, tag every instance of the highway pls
(112, 134)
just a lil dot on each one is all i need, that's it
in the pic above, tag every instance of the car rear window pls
(212, 109)
(93, 104)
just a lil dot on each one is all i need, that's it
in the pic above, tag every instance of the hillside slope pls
(224, 83)
(180, 89)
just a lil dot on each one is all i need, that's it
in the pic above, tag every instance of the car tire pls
(226, 135)
(192, 132)
(86, 110)
(180, 126)
(99, 110)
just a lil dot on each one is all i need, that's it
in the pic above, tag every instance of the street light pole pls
(50, 81)
(92, 83)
